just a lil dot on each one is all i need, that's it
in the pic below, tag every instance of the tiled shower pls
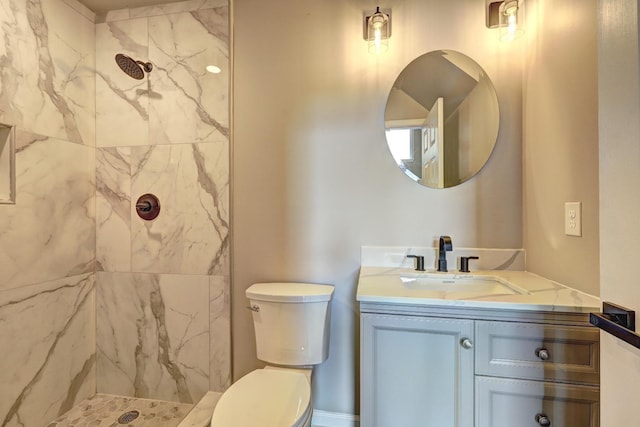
(93, 298)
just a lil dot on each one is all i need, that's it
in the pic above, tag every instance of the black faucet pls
(444, 246)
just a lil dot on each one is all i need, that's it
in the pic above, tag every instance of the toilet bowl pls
(291, 322)
(266, 398)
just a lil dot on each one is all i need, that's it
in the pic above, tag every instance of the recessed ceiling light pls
(213, 69)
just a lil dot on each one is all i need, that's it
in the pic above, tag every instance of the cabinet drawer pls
(502, 402)
(538, 352)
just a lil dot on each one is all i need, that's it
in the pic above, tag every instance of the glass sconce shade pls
(378, 31)
(511, 16)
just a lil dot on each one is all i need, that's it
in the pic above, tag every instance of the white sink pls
(460, 284)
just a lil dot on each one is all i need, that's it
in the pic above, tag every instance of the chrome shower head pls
(133, 68)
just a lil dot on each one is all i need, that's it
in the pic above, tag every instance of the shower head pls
(132, 67)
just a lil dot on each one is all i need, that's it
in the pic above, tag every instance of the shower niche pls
(7, 165)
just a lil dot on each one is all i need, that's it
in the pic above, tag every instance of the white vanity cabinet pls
(478, 368)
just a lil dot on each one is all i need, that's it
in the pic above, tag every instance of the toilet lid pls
(265, 398)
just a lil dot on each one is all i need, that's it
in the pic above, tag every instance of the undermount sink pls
(456, 284)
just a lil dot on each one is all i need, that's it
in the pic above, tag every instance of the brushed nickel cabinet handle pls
(542, 354)
(543, 420)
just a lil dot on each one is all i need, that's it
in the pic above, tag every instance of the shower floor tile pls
(105, 410)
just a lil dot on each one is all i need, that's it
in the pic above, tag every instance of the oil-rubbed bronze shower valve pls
(148, 207)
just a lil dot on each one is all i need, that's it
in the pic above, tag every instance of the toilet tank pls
(291, 322)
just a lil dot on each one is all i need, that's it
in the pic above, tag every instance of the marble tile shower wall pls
(159, 299)
(47, 239)
(163, 285)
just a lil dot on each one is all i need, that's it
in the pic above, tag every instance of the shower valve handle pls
(144, 206)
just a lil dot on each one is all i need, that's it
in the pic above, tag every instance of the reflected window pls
(400, 144)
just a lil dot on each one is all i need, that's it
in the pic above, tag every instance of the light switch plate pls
(573, 219)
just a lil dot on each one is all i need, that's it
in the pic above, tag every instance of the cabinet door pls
(502, 402)
(416, 372)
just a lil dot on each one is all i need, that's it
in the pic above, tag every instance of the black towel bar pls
(618, 321)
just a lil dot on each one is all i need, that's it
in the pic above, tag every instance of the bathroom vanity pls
(488, 349)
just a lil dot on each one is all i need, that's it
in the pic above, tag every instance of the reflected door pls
(433, 146)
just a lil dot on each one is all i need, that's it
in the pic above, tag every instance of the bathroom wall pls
(163, 285)
(619, 108)
(561, 156)
(47, 239)
(313, 180)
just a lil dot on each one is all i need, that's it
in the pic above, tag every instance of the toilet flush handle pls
(254, 307)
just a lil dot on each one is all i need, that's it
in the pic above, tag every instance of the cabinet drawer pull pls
(466, 343)
(542, 354)
(543, 420)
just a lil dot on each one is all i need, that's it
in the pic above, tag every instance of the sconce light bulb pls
(377, 40)
(513, 23)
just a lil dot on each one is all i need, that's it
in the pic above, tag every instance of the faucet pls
(444, 246)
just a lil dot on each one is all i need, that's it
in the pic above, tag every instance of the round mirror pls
(442, 119)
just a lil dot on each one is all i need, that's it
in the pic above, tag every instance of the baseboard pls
(334, 419)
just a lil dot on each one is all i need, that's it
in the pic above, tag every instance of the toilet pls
(291, 322)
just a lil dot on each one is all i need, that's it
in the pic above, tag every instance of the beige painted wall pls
(312, 177)
(561, 140)
(619, 104)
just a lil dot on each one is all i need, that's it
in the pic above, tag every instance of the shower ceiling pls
(104, 5)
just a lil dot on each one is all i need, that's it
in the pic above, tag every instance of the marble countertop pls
(384, 285)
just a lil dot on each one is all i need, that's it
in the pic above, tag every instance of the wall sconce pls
(377, 30)
(508, 16)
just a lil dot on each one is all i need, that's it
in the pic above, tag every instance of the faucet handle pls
(419, 264)
(464, 263)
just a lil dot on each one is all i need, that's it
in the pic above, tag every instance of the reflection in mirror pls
(442, 119)
(7, 165)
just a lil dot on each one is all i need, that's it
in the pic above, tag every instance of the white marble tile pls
(200, 415)
(177, 102)
(71, 43)
(176, 7)
(220, 334)
(81, 9)
(48, 80)
(396, 256)
(47, 333)
(191, 105)
(153, 336)
(50, 232)
(122, 103)
(113, 15)
(113, 209)
(191, 234)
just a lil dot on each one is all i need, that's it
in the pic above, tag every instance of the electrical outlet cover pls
(573, 219)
